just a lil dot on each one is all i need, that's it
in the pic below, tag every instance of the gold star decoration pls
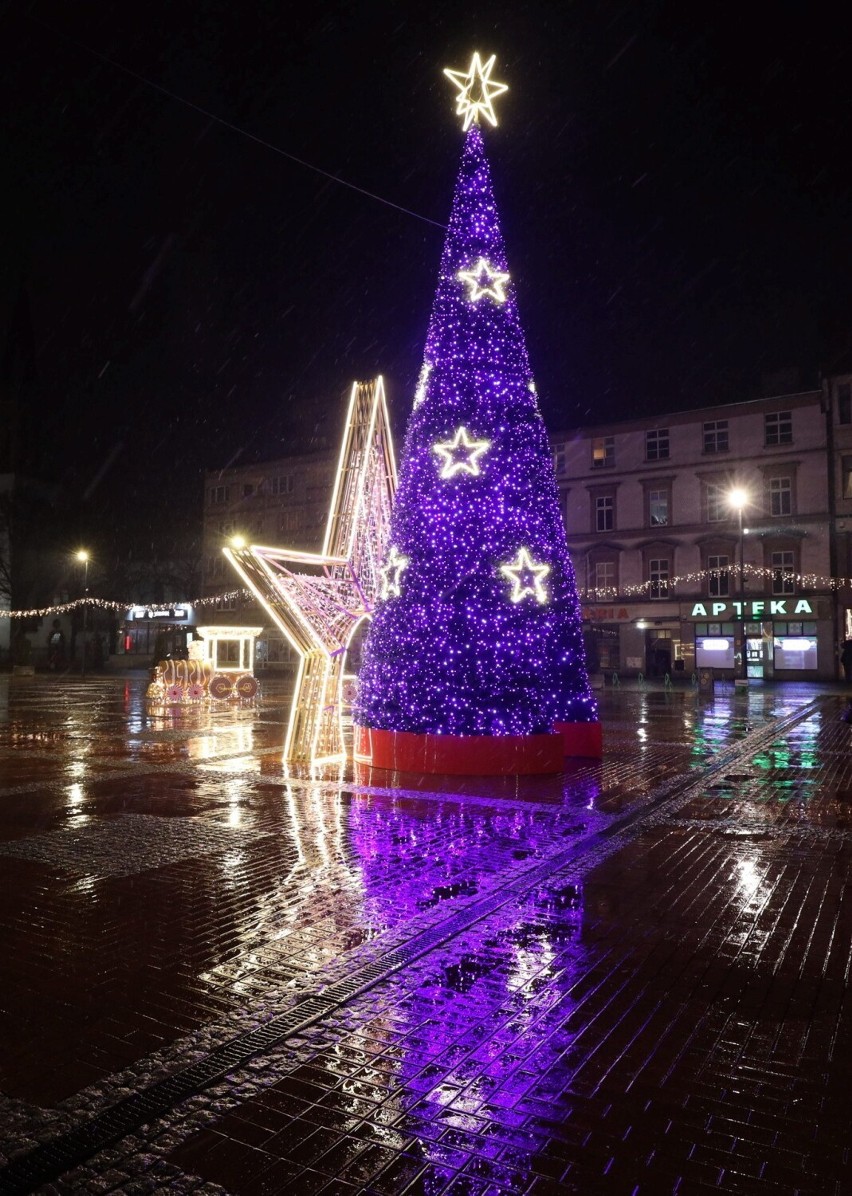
(483, 281)
(526, 577)
(319, 600)
(391, 572)
(448, 449)
(477, 91)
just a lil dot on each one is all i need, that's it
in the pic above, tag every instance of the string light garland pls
(700, 577)
(65, 608)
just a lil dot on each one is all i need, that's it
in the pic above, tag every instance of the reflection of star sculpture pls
(476, 91)
(391, 573)
(483, 280)
(519, 572)
(319, 599)
(453, 464)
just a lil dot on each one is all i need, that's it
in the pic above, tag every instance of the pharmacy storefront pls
(632, 639)
(786, 639)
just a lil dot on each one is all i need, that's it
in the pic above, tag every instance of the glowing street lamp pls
(738, 499)
(83, 557)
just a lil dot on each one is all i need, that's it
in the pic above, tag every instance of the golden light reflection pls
(234, 794)
(234, 764)
(749, 876)
(220, 742)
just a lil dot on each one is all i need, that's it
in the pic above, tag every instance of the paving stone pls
(668, 1007)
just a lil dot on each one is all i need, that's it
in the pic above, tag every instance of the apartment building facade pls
(676, 577)
(281, 503)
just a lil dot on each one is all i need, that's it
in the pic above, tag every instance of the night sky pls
(673, 180)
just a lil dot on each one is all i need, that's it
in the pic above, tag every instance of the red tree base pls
(459, 755)
(582, 739)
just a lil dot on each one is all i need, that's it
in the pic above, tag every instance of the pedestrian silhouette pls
(56, 647)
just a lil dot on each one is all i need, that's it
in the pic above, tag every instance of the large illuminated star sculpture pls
(476, 90)
(319, 599)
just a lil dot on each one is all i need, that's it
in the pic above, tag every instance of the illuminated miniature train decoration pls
(220, 666)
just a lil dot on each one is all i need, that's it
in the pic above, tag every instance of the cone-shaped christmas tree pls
(478, 629)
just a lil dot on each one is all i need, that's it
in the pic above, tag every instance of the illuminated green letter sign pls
(756, 608)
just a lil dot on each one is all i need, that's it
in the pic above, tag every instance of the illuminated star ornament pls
(319, 600)
(484, 281)
(420, 392)
(391, 573)
(477, 91)
(526, 577)
(453, 463)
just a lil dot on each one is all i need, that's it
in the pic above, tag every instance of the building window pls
(844, 403)
(716, 436)
(782, 565)
(282, 484)
(219, 494)
(604, 513)
(779, 428)
(658, 508)
(602, 582)
(658, 575)
(780, 496)
(559, 458)
(719, 578)
(657, 445)
(603, 452)
(716, 505)
(248, 489)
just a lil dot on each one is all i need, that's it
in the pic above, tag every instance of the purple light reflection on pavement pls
(484, 1018)
(417, 854)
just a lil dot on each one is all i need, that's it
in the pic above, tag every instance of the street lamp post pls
(738, 500)
(83, 558)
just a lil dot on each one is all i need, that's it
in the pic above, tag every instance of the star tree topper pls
(476, 90)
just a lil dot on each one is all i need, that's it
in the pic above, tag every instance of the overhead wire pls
(173, 95)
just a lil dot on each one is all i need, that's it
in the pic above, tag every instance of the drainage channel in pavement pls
(51, 1159)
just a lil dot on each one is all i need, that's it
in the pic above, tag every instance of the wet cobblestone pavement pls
(219, 978)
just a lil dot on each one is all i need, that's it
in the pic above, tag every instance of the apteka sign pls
(758, 608)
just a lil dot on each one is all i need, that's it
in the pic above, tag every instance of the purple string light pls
(464, 648)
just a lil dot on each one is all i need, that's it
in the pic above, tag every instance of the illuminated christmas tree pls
(478, 630)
